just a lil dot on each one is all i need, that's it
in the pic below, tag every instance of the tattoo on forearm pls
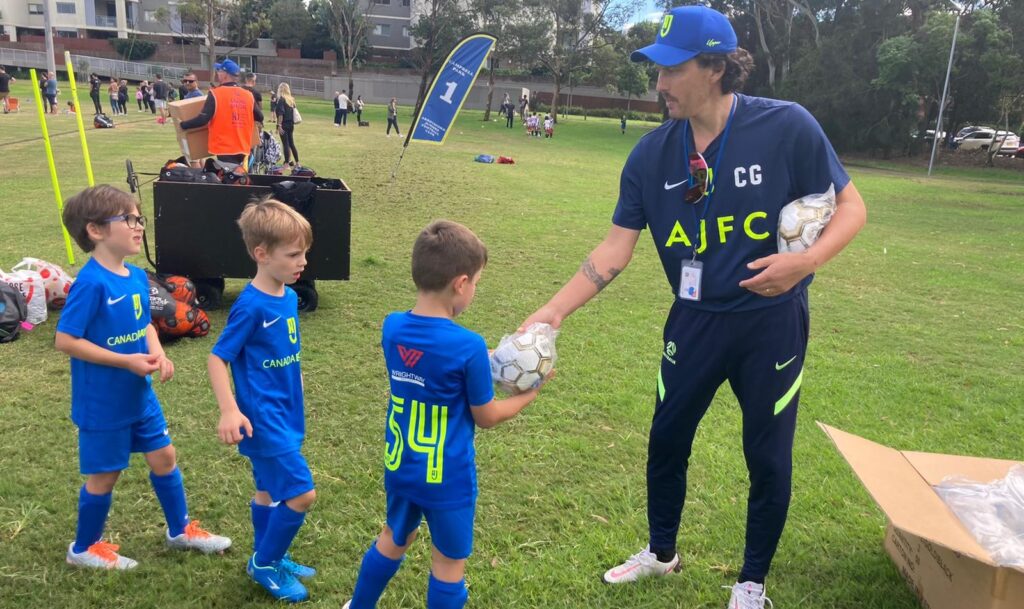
(594, 276)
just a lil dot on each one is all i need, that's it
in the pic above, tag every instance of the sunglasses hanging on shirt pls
(699, 180)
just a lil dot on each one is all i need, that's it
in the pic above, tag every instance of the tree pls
(436, 30)
(494, 17)
(349, 28)
(290, 22)
(573, 32)
(632, 81)
(240, 22)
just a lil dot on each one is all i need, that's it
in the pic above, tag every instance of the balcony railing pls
(104, 21)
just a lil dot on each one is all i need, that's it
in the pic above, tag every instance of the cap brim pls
(662, 54)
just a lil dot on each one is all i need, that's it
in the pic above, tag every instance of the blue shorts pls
(109, 450)
(282, 476)
(451, 531)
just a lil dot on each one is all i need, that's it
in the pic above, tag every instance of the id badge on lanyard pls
(690, 280)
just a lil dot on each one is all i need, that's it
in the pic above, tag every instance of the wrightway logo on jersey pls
(408, 377)
(137, 303)
(410, 357)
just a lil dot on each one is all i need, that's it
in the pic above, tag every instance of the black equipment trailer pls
(196, 234)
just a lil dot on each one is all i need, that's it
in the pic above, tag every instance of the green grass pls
(916, 342)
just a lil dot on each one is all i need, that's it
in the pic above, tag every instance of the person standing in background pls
(94, 92)
(393, 116)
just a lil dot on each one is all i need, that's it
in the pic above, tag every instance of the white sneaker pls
(100, 555)
(196, 538)
(748, 595)
(642, 564)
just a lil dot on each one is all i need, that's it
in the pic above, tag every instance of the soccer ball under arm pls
(802, 220)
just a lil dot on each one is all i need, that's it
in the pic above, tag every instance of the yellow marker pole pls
(78, 117)
(53, 168)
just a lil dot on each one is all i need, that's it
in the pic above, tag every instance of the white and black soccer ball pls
(521, 362)
(801, 221)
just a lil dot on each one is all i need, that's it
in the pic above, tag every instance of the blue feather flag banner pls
(450, 87)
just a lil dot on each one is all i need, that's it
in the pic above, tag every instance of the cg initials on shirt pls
(417, 437)
(747, 175)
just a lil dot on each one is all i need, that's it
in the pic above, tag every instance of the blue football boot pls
(300, 571)
(281, 584)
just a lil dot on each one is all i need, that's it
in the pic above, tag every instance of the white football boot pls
(196, 538)
(748, 595)
(100, 555)
(642, 564)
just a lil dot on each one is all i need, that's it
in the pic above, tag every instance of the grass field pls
(917, 342)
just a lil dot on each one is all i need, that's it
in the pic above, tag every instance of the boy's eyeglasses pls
(700, 179)
(131, 220)
(188, 80)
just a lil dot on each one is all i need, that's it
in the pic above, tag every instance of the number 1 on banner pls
(447, 97)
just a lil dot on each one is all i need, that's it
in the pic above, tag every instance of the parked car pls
(963, 132)
(980, 140)
(1020, 153)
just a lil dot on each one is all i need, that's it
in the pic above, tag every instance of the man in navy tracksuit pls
(709, 185)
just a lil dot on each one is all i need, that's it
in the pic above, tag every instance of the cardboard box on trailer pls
(940, 559)
(193, 142)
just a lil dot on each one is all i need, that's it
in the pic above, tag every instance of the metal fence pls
(134, 70)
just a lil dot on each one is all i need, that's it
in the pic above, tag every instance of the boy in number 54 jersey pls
(441, 388)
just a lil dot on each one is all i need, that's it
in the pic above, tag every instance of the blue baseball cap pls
(686, 32)
(227, 66)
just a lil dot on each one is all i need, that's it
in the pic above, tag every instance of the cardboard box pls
(193, 142)
(940, 559)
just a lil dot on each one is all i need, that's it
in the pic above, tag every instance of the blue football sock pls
(170, 491)
(282, 526)
(445, 595)
(92, 515)
(374, 575)
(260, 516)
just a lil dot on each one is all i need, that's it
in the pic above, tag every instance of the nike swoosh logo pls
(273, 586)
(779, 366)
(267, 324)
(671, 186)
(114, 301)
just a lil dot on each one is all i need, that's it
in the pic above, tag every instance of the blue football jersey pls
(776, 152)
(438, 371)
(111, 311)
(261, 342)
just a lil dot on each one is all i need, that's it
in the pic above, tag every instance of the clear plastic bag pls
(993, 513)
(56, 282)
(523, 360)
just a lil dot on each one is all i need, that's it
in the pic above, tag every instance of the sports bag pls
(179, 170)
(13, 311)
(30, 284)
(102, 121)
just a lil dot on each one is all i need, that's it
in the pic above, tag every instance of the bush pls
(133, 49)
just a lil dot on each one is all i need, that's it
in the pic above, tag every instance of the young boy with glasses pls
(105, 328)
